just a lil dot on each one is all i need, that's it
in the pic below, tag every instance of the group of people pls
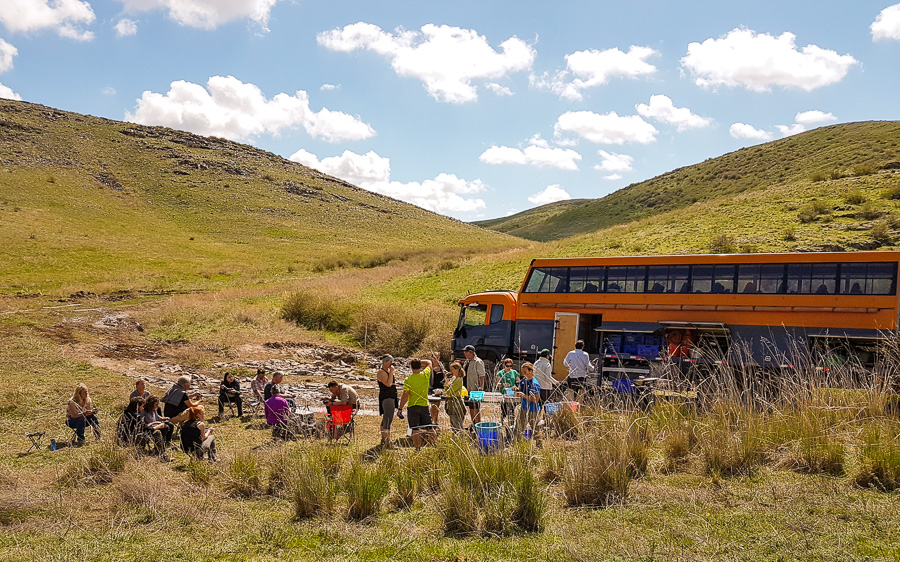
(155, 419)
(151, 420)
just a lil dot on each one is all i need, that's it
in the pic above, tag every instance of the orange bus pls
(770, 310)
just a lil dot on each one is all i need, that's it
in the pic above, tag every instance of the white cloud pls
(126, 28)
(499, 90)
(613, 177)
(232, 109)
(552, 194)
(7, 53)
(446, 193)
(788, 130)
(7, 93)
(207, 14)
(814, 116)
(446, 59)
(593, 68)
(759, 61)
(108, 91)
(613, 162)
(328, 87)
(887, 24)
(64, 16)
(662, 109)
(537, 154)
(358, 169)
(745, 131)
(607, 128)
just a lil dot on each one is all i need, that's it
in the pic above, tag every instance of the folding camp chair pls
(342, 423)
(231, 407)
(36, 439)
(256, 406)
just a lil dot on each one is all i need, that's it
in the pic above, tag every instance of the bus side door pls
(565, 333)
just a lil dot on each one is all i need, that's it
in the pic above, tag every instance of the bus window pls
(585, 279)
(473, 316)
(636, 279)
(547, 280)
(702, 278)
(868, 278)
(812, 279)
(496, 313)
(667, 278)
(630, 279)
(723, 279)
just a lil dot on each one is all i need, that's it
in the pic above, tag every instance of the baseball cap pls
(545, 353)
(469, 348)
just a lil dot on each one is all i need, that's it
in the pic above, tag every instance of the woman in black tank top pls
(387, 398)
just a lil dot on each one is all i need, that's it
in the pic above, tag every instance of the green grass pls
(855, 151)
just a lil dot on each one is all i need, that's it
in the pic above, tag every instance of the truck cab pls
(487, 322)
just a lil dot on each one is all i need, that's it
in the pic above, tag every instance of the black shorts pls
(418, 416)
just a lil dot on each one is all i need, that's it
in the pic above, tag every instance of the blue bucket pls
(488, 435)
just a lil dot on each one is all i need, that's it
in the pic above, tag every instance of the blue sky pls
(470, 109)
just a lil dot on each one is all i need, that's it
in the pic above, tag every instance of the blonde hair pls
(77, 396)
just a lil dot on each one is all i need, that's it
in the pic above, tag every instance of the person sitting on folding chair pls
(415, 391)
(160, 428)
(230, 393)
(196, 436)
(176, 400)
(341, 394)
(81, 413)
(258, 388)
(278, 416)
(129, 427)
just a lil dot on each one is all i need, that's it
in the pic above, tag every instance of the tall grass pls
(365, 487)
(99, 466)
(598, 471)
(244, 475)
(880, 457)
(312, 490)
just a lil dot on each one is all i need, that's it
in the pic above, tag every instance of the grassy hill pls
(89, 203)
(853, 149)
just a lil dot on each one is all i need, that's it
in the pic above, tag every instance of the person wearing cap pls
(543, 373)
(278, 415)
(474, 368)
(387, 397)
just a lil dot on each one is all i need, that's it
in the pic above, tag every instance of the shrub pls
(863, 170)
(818, 176)
(244, 475)
(837, 174)
(869, 212)
(722, 244)
(365, 487)
(789, 234)
(855, 197)
(597, 474)
(880, 232)
(318, 311)
(892, 192)
(820, 207)
(807, 214)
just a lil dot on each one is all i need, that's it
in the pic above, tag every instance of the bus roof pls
(810, 257)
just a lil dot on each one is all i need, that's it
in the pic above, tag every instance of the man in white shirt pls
(543, 372)
(579, 363)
